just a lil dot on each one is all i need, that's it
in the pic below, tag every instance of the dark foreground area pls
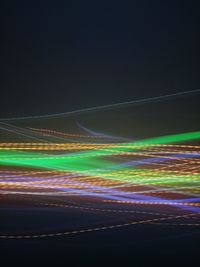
(134, 245)
(137, 246)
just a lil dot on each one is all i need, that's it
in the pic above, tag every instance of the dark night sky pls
(58, 56)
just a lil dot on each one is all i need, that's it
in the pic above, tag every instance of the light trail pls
(107, 107)
(101, 174)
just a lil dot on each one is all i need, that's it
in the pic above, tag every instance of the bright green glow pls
(88, 162)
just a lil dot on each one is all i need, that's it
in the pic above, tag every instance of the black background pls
(58, 56)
